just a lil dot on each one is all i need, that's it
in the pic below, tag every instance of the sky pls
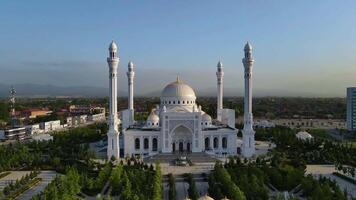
(301, 48)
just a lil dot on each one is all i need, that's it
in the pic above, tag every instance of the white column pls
(211, 142)
(141, 144)
(248, 134)
(150, 144)
(130, 78)
(113, 149)
(220, 143)
(220, 85)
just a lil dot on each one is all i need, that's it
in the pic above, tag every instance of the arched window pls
(183, 102)
(178, 102)
(154, 144)
(169, 102)
(216, 143)
(137, 143)
(207, 143)
(174, 102)
(145, 143)
(224, 143)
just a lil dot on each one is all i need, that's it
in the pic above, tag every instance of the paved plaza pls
(12, 177)
(326, 171)
(47, 177)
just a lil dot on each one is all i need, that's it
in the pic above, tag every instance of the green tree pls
(157, 184)
(115, 179)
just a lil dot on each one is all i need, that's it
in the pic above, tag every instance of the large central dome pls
(178, 89)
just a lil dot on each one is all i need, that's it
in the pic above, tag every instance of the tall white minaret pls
(248, 134)
(219, 76)
(130, 77)
(113, 149)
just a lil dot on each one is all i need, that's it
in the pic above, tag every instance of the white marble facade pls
(179, 125)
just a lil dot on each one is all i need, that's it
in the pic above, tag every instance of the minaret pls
(248, 134)
(12, 106)
(113, 149)
(219, 76)
(130, 77)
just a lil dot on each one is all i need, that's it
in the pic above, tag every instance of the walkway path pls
(47, 177)
(12, 177)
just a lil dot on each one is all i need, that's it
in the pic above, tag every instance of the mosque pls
(178, 124)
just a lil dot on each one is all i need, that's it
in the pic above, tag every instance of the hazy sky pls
(305, 48)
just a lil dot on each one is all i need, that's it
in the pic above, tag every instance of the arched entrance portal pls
(181, 139)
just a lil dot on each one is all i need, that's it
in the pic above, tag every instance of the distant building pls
(33, 129)
(351, 109)
(35, 112)
(13, 134)
(264, 124)
(76, 120)
(96, 117)
(85, 109)
(50, 125)
(301, 123)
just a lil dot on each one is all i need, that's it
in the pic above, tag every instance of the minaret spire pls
(220, 86)
(248, 134)
(113, 149)
(130, 78)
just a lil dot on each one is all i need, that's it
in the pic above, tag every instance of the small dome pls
(206, 118)
(178, 89)
(205, 197)
(153, 117)
(303, 135)
(113, 46)
(248, 47)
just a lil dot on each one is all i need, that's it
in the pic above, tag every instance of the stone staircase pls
(170, 157)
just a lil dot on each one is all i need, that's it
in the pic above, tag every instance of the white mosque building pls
(178, 124)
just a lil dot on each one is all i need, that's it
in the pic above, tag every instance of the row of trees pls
(14, 186)
(250, 179)
(63, 187)
(136, 182)
(192, 190)
(172, 193)
(316, 151)
(221, 185)
(322, 188)
(253, 177)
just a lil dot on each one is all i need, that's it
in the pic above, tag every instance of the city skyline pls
(299, 50)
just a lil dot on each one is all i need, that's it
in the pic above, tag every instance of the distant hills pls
(37, 90)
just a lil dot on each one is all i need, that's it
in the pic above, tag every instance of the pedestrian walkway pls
(47, 177)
